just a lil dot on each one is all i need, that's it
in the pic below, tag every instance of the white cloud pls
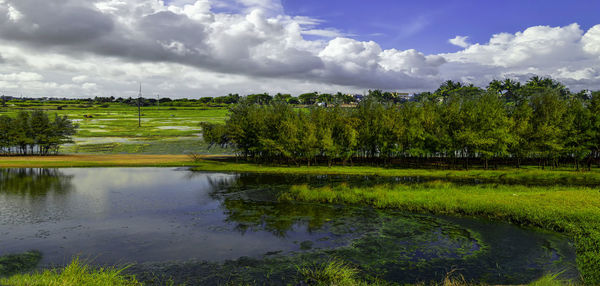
(79, 78)
(104, 47)
(21, 77)
(460, 41)
(564, 53)
(591, 41)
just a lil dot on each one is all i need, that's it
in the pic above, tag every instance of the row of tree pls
(34, 133)
(457, 125)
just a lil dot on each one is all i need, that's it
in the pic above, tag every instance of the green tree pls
(308, 98)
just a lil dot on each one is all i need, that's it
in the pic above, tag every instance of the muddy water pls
(207, 228)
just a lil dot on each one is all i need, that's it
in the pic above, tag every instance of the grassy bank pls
(112, 160)
(526, 175)
(572, 210)
(74, 274)
(225, 163)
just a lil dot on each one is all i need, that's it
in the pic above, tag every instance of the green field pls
(113, 128)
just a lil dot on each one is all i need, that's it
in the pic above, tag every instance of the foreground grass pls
(75, 274)
(572, 210)
(342, 274)
(335, 272)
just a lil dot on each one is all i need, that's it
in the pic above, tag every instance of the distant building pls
(404, 96)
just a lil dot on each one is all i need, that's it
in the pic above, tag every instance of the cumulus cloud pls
(591, 41)
(564, 53)
(185, 48)
(460, 41)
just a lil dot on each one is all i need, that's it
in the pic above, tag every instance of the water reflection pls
(174, 216)
(34, 182)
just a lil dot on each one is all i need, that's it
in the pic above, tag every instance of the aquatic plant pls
(572, 210)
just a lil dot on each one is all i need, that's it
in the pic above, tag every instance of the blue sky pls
(427, 25)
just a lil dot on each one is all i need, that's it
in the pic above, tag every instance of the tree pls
(7, 133)
(548, 112)
(578, 132)
(282, 97)
(486, 129)
(33, 132)
(261, 98)
(308, 98)
(446, 88)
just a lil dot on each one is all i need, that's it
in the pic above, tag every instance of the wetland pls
(183, 226)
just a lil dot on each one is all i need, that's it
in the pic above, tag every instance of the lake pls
(209, 228)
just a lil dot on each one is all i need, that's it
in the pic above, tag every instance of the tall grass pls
(572, 210)
(74, 274)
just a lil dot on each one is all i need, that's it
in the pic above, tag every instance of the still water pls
(207, 228)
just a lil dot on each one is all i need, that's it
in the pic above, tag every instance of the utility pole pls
(157, 102)
(140, 107)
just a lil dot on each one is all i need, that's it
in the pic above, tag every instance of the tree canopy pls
(540, 121)
(34, 133)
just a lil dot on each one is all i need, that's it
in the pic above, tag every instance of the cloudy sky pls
(193, 48)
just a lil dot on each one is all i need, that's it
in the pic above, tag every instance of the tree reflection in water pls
(250, 202)
(34, 182)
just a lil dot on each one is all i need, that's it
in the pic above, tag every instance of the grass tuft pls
(74, 274)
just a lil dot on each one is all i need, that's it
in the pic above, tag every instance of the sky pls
(195, 48)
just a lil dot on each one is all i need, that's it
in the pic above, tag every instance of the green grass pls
(526, 175)
(572, 210)
(114, 129)
(119, 120)
(74, 274)
(335, 272)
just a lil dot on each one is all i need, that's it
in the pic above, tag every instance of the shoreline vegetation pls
(527, 175)
(565, 209)
(335, 272)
